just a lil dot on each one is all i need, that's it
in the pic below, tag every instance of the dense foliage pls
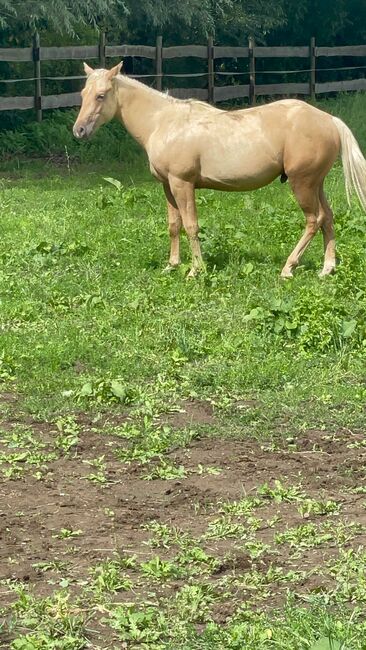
(336, 21)
(60, 15)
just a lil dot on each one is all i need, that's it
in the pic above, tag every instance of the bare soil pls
(112, 516)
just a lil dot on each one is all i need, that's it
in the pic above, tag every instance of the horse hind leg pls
(327, 226)
(307, 194)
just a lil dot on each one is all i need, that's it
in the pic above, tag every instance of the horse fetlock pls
(198, 266)
(171, 266)
(286, 273)
(193, 273)
(328, 269)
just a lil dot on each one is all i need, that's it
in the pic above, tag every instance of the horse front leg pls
(174, 226)
(183, 193)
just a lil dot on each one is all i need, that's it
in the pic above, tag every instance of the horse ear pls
(113, 72)
(88, 69)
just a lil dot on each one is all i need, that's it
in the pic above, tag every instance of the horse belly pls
(238, 172)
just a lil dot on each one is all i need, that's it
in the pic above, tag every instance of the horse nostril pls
(79, 131)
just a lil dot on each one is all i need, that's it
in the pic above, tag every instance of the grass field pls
(181, 462)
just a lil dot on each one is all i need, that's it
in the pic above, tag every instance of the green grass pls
(89, 323)
(88, 318)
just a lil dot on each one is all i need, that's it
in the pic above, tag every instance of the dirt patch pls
(192, 412)
(7, 397)
(112, 514)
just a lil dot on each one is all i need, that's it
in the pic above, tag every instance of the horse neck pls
(139, 109)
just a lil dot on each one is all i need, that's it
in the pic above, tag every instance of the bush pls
(54, 137)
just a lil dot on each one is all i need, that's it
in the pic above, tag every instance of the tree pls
(227, 20)
(64, 16)
(332, 22)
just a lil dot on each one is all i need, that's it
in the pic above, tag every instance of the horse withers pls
(191, 144)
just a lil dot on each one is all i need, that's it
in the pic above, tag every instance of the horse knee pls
(174, 229)
(192, 231)
(312, 225)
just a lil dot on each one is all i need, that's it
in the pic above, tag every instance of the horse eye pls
(100, 97)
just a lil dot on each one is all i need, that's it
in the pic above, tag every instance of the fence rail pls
(247, 56)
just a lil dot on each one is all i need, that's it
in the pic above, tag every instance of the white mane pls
(124, 80)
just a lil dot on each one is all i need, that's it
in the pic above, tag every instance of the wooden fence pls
(246, 60)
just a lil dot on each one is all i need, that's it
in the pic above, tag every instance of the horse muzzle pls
(83, 131)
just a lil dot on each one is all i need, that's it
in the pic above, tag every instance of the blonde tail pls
(354, 164)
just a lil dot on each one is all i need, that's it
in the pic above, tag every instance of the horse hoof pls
(169, 268)
(287, 275)
(195, 271)
(327, 271)
(192, 274)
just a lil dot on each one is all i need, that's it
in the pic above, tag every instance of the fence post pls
(37, 76)
(159, 62)
(251, 71)
(211, 70)
(102, 49)
(312, 53)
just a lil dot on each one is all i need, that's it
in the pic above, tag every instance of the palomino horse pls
(191, 144)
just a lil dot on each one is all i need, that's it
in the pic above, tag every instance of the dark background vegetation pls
(279, 22)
